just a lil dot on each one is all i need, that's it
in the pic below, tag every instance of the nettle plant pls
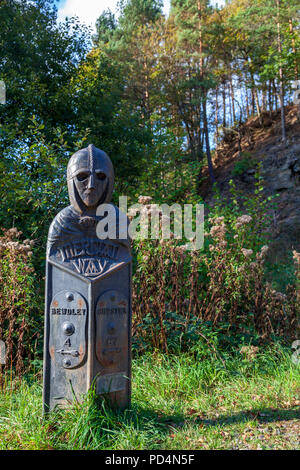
(181, 296)
(17, 293)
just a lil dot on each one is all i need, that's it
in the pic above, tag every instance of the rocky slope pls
(236, 158)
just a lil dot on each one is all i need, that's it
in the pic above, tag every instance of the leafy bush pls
(181, 296)
(245, 163)
(17, 300)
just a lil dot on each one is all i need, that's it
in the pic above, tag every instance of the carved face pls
(90, 178)
(91, 185)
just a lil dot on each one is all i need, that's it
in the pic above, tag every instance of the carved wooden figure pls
(88, 292)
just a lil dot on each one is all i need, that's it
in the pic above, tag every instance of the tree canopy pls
(157, 93)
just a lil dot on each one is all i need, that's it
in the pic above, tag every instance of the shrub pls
(244, 164)
(17, 290)
(181, 297)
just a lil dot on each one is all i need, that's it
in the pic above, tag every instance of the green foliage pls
(32, 183)
(137, 12)
(38, 60)
(257, 206)
(149, 93)
(190, 401)
(181, 295)
(244, 164)
(18, 308)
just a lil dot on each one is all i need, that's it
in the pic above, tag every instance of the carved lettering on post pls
(88, 292)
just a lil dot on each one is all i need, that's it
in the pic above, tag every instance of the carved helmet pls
(90, 177)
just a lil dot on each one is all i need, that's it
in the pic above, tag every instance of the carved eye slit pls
(82, 176)
(101, 176)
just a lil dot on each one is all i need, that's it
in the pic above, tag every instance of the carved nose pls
(91, 183)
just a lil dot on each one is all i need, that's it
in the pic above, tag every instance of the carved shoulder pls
(63, 225)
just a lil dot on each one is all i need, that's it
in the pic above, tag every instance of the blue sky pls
(89, 10)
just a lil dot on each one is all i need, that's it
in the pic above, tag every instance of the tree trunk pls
(294, 48)
(217, 117)
(232, 99)
(270, 100)
(247, 102)
(206, 135)
(224, 104)
(281, 85)
(295, 60)
(264, 98)
(275, 95)
(257, 105)
(252, 95)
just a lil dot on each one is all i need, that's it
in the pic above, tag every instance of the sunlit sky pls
(89, 10)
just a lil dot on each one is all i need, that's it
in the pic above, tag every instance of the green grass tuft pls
(178, 402)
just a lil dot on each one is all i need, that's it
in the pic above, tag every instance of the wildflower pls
(216, 220)
(219, 220)
(249, 351)
(181, 249)
(243, 220)
(264, 249)
(144, 199)
(262, 252)
(214, 230)
(218, 231)
(296, 256)
(246, 252)
(12, 231)
(131, 212)
(12, 245)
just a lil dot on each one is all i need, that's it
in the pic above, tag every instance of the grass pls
(190, 401)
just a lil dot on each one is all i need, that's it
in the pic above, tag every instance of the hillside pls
(261, 142)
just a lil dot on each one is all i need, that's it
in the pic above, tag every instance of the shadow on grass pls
(263, 415)
(144, 427)
(141, 418)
